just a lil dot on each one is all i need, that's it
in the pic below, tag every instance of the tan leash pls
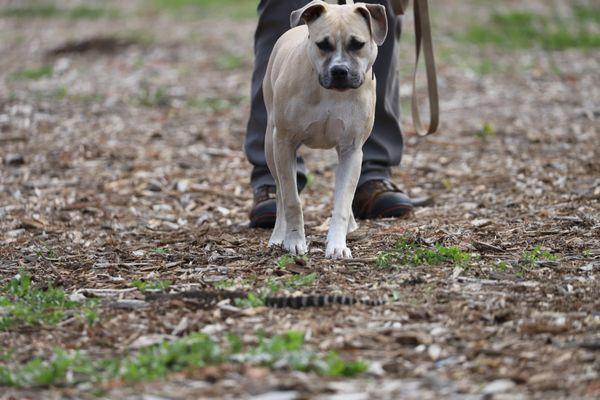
(423, 40)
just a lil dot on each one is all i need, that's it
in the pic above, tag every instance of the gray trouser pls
(382, 150)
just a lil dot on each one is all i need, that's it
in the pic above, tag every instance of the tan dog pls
(319, 91)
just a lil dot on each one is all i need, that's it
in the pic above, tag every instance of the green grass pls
(156, 97)
(288, 259)
(487, 131)
(502, 266)
(408, 251)
(37, 9)
(584, 13)
(160, 250)
(521, 30)
(22, 304)
(233, 8)
(294, 282)
(532, 257)
(34, 73)
(210, 104)
(194, 351)
(230, 62)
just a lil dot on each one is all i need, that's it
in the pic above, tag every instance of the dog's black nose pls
(339, 72)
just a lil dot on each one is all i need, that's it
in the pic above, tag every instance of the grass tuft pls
(288, 259)
(487, 131)
(34, 73)
(21, 304)
(536, 255)
(156, 97)
(409, 251)
(194, 351)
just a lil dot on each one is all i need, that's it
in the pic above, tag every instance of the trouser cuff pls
(371, 172)
(262, 177)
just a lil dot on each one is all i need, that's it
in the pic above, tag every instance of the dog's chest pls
(324, 133)
(325, 125)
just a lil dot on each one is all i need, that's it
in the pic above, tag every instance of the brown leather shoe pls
(381, 199)
(264, 209)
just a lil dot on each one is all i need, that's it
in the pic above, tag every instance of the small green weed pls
(251, 301)
(447, 183)
(285, 260)
(156, 97)
(23, 304)
(194, 351)
(34, 73)
(487, 131)
(143, 286)
(531, 258)
(160, 250)
(408, 251)
(502, 265)
(288, 349)
(224, 284)
(336, 366)
(297, 281)
(288, 259)
(229, 283)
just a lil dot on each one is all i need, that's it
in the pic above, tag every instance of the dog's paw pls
(276, 240)
(295, 246)
(337, 252)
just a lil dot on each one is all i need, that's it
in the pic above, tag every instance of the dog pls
(319, 91)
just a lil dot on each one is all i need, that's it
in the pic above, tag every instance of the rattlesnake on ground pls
(207, 298)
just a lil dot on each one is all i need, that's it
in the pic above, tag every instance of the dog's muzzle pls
(340, 78)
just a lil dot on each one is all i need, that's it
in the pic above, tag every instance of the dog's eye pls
(355, 45)
(325, 45)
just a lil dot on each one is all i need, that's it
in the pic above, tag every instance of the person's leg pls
(383, 149)
(273, 21)
(376, 196)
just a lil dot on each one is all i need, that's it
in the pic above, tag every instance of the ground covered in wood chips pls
(123, 177)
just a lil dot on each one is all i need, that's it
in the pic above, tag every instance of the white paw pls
(276, 239)
(296, 245)
(336, 252)
(275, 242)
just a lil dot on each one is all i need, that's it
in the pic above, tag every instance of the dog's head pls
(343, 40)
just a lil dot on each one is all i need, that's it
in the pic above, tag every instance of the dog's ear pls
(376, 19)
(308, 13)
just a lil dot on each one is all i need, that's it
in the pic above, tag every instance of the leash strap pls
(423, 40)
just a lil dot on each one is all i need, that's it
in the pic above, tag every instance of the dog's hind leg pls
(278, 234)
(286, 166)
(352, 225)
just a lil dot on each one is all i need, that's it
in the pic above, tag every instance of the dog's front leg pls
(346, 179)
(285, 161)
